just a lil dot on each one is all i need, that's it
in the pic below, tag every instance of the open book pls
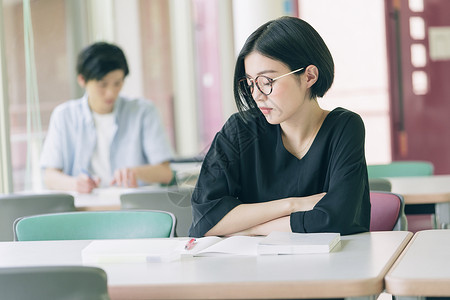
(218, 246)
(167, 250)
(164, 250)
(274, 243)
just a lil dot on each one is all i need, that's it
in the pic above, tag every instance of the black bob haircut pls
(293, 42)
(98, 59)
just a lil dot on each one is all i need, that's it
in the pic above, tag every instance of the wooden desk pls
(357, 269)
(423, 269)
(426, 190)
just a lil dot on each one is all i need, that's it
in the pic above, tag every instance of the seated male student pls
(104, 139)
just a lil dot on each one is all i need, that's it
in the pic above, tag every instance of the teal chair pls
(91, 225)
(380, 184)
(401, 168)
(13, 206)
(53, 282)
(177, 200)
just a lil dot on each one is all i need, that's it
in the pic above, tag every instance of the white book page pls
(235, 245)
(201, 244)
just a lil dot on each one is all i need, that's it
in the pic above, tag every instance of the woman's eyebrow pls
(263, 72)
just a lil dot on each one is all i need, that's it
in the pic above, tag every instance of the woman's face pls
(288, 93)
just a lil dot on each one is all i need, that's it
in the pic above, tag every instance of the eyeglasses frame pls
(271, 81)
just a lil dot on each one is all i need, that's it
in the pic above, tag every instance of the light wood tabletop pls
(433, 189)
(354, 269)
(423, 269)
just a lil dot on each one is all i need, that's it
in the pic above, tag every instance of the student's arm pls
(127, 177)
(262, 218)
(280, 224)
(55, 179)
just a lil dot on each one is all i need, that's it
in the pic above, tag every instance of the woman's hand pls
(305, 203)
(280, 224)
(264, 217)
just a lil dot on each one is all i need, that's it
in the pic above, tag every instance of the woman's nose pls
(258, 95)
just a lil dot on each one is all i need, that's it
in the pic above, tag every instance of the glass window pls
(50, 50)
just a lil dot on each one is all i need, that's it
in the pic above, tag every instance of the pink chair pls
(420, 222)
(387, 212)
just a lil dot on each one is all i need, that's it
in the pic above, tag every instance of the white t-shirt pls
(100, 162)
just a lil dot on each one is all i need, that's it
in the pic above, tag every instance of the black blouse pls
(248, 163)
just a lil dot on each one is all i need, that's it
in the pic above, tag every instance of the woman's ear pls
(312, 74)
(81, 80)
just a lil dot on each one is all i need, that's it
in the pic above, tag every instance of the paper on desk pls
(132, 251)
(217, 246)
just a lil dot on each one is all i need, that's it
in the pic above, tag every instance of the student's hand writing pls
(125, 177)
(85, 184)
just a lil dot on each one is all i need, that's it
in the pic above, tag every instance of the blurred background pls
(391, 60)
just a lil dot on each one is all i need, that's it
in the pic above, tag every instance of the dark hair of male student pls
(293, 42)
(98, 59)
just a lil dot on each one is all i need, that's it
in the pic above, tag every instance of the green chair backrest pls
(13, 206)
(380, 184)
(176, 200)
(401, 168)
(92, 225)
(53, 282)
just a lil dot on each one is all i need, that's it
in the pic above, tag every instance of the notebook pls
(298, 243)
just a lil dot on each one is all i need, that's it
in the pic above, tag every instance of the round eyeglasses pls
(262, 82)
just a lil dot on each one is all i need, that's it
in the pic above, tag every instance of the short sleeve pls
(52, 152)
(156, 144)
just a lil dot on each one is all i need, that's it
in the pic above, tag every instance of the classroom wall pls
(354, 31)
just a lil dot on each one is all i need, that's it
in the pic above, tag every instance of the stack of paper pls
(298, 243)
(132, 251)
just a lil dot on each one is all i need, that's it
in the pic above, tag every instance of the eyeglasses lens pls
(264, 84)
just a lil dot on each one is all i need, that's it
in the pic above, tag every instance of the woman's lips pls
(265, 110)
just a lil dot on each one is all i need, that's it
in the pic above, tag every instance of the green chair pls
(401, 168)
(177, 200)
(90, 225)
(53, 282)
(13, 206)
(380, 184)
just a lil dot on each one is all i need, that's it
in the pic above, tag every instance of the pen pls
(190, 244)
(84, 171)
